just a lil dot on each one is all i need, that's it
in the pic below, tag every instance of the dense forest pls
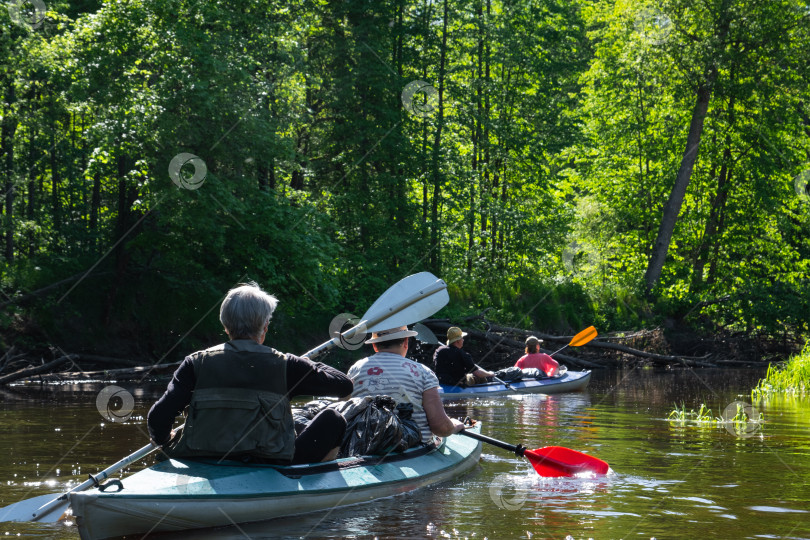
(562, 162)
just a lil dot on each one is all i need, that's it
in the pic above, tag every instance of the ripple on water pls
(777, 509)
(695, 499)
(500, 458)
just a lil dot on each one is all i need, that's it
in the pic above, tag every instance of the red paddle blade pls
(560, 461)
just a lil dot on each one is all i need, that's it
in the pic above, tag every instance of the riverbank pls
(492, 346)
(789, 379)
(662, 347)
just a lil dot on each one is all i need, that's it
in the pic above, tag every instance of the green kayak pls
(179, 495)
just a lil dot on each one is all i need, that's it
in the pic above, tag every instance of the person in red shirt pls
(535, 359)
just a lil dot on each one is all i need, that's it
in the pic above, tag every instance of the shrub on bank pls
(789, 378)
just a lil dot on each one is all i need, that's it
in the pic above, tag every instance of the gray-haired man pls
(238, 394)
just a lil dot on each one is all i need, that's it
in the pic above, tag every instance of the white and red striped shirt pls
(401, 378)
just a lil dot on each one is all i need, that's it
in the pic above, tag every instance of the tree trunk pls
(424, 152)
(401, 187)
(502, 222)
(56, 206)
(8, 130)
(476, 136)
(435, 247)
(122, 222)
(95, 207)
(267, 175)
(95, 201)
(713, 223)
(491, 188)
(32, 194)
(673, 206)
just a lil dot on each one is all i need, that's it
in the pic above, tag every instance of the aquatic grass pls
(679, 414)
(702, 416)
(740, 423)
(789, 379)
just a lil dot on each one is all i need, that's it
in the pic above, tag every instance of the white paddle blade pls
(410, 299)
(24, 510)
(425, 334)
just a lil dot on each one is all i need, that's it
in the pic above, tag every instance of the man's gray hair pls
(245, 311)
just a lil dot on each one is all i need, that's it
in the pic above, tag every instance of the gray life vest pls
(240, 406)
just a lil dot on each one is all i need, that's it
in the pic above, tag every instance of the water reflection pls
(668, 387)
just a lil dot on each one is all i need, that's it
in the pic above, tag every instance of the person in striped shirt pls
(390, 372)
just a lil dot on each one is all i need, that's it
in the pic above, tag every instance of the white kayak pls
(177, 495)
(570, 381)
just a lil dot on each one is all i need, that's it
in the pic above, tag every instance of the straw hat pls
(454, 333)
(390, 335)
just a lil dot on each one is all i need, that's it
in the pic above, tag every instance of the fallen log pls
(655, 357)
(9, 358)
(36, 370)
(109, 360)
(519, 345)
(120, 374)
(550, 337)
(500, 339)
(527, 333)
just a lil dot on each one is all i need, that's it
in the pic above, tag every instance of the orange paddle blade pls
(583, 337)
(560, 461)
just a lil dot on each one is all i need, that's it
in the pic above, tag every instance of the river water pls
(668, 480)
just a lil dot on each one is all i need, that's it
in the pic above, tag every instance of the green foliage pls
(739, 221)
(530, 172)
(561, 307)
(789, 379)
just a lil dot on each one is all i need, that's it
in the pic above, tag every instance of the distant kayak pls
(571, 381)
(177, 495)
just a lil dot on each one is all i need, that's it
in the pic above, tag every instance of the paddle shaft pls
(560, 349)
(534, 458)
(517, 449)
(48, 507)
(506, 384)
(416, 297)
(579, 340)
(94, 480)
